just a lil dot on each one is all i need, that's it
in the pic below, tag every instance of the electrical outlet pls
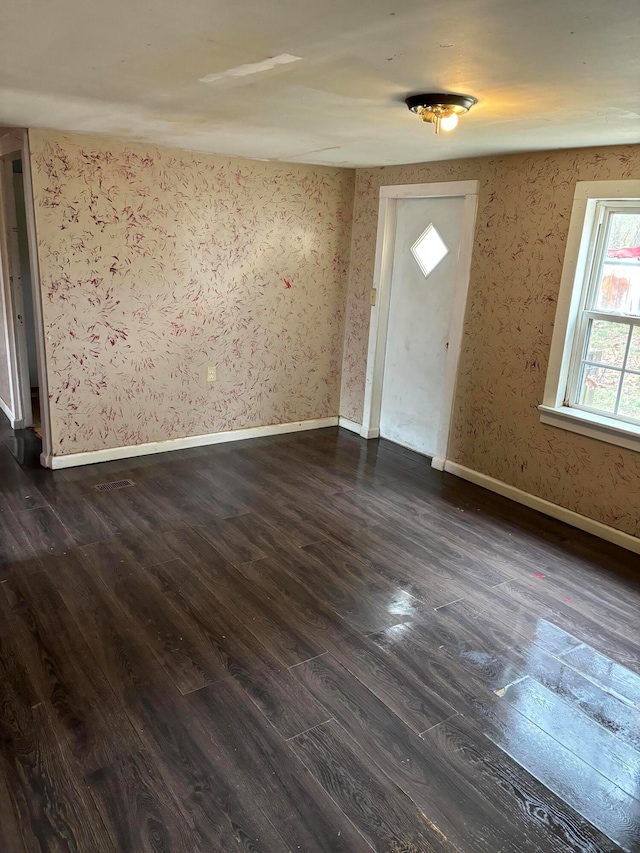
(212, 374)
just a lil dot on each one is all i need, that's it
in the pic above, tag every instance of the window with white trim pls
(593, 385)
(605, 369)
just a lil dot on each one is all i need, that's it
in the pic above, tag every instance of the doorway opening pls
(23, 397)
(26, 316)
(423, 259)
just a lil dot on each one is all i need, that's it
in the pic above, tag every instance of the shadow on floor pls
(24, 444)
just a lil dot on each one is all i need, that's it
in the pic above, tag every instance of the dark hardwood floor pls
(308, 643)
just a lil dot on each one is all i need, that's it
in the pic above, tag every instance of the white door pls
(425, 260)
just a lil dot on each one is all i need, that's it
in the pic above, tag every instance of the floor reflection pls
(585, 732)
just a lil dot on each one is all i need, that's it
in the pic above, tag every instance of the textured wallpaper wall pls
(156, 263)
(523, 218)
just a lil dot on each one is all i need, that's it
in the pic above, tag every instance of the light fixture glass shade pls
(440, 109)
(449, 122)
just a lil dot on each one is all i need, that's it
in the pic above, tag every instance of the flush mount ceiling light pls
(441, 109)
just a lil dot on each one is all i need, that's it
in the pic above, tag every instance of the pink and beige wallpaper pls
(156, 263)
(523, 217)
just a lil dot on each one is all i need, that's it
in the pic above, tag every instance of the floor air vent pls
(117, 484)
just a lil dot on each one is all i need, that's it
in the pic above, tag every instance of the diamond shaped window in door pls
(429, 249)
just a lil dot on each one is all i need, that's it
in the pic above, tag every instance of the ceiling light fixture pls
(441, 109)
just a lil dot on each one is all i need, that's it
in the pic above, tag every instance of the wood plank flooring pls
(308, 643)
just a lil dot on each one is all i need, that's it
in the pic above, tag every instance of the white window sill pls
(594, 426)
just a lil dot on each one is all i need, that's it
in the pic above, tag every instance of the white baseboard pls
(438, 463)
(358, 428)
(91, 457)
(370, 433)
(582, 522)
(352, 426)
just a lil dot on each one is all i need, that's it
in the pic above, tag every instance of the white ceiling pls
(547, 73)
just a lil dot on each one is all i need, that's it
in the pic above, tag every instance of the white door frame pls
(16, 142)
(14, 303)
(381, 299)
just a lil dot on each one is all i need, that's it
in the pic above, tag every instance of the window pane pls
(619, 286)
(633, 362)
(599, 388)
(607, 342)
(429, 249)
(630, 397)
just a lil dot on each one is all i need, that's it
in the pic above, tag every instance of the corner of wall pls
(346, 309)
